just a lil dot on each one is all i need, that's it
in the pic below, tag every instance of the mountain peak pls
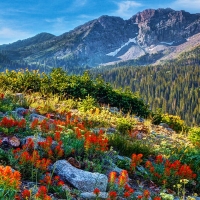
(110, 39)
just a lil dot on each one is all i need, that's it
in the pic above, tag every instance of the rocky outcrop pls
(165, 25)
(83, 180)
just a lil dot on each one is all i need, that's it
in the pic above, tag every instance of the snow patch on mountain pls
(114, 53)
(168, 43)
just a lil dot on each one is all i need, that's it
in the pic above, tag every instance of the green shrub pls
(157, 117)
(6, 104)
(126, 147)
(87, 104)
(194, 135)
(123, 125)
(174, 122)
(74, 86)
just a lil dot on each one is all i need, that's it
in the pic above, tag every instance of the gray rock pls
(32, 110)
(123, 158)
(114, 110)
(169, 129)
(20, 111)
(91, 195)
(96, 130)
(35, 139)
(112, 168)
(164, 125)
(139, 119)
(1, 114)
(36, 116)
(82, 180)
(13, 114)
(142, 170)
(111, 130)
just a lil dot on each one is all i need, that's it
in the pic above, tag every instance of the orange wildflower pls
(112, 177)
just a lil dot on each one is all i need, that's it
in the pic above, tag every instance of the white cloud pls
(55, 20)
(126, 9)
(187, 5)
(8, 35)
(80, 3)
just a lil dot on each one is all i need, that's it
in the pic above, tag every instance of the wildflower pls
(157, 198)
(1, 96)
(146, 193)
(46, 180)
(136, 160)
(164, 182)
(42, 193)
(191, 198)
(178, 185)
(167, 171)
(185, 181)
(112, 195)
(139, 196)
(96, 191)
(127, 194)
(9, 179)
(112, 177)
(57, 136)
(129, 189)
(22, 123)
(26, 194)
(58, 151)
(148, 164)
(17, 197)
(166, 196)
(60, 183)
(34, 123)
(186, 172)
(43, 164)
(57, 178)
(159, 159)
(29, 146)
(123, 178)
(44, 126)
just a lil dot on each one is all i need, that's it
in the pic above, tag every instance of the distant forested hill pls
(174, 87)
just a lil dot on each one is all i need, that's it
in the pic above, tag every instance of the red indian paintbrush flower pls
(96, 191)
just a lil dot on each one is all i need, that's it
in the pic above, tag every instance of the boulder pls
(91, 195)
(164, 125)
(20, 111)
(36, 116)
(83, 180)
(35, 139)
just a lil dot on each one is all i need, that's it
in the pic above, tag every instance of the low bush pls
(174, 122)
(73, 86)
(194, 135)
(126, 147)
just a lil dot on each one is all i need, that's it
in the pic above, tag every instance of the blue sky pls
(20, 19)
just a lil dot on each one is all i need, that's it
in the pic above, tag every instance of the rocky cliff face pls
(165, 25)
(109, 40)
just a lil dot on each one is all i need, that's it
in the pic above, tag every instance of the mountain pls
(148, 36)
